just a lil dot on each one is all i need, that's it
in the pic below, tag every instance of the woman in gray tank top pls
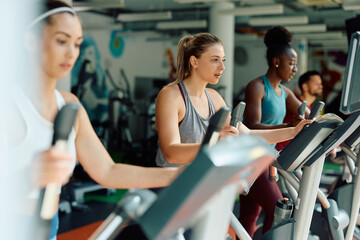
(183, 108)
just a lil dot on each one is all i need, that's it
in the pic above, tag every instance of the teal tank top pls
(273, 107)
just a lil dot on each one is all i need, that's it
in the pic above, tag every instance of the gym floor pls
(84, 218)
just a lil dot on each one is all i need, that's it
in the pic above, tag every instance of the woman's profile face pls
(210, 65)
(61, 45)
(287, 65)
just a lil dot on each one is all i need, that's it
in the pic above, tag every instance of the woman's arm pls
(170, 109)
(99, 165)
(254, 93)
(276, 135)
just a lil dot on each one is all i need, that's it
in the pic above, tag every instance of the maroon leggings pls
(263, 194)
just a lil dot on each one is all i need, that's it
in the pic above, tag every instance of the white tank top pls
(38, 133)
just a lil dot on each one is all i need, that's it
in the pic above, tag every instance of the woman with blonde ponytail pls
(184, 107)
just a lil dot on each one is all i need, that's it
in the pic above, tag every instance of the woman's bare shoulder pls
(169, 91)
(213, 92)
(256, 82)
(216, 98)
(69, 97)
(256, 86)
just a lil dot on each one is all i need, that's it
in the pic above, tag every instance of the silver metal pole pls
(355, 203)
(305, 203)
(238, 228)
(214, 223)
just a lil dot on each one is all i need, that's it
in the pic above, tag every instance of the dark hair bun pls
(277, 35)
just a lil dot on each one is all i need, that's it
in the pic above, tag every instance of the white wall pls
(142, 56)
(254, 66)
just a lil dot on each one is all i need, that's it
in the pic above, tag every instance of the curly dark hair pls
(277, 40)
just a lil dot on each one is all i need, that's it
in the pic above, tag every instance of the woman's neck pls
(194, 87)
(273, 77)
(41, 92)
(48, 86)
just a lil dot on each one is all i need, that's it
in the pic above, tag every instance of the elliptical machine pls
(346, 196)
(338, 224)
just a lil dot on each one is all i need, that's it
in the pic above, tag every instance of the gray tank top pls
(192, 128)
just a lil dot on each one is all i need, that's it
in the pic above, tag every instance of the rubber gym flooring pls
(83, 221)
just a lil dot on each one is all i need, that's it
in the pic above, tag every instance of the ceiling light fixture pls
(350, 7)
(86, 6)
(181, 24)
(322, 36)
(136, 17)
(250, 11)
(245, 37)
(333, 42)
(320, 2)
(270, 21)
(198, 1)
(307, 28)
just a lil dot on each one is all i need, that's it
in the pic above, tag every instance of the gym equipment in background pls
(121, 107)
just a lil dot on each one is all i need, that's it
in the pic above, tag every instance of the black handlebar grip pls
(216, 123)
(237, 114)
(316, 109)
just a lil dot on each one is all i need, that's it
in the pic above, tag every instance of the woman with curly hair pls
(267, 101)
